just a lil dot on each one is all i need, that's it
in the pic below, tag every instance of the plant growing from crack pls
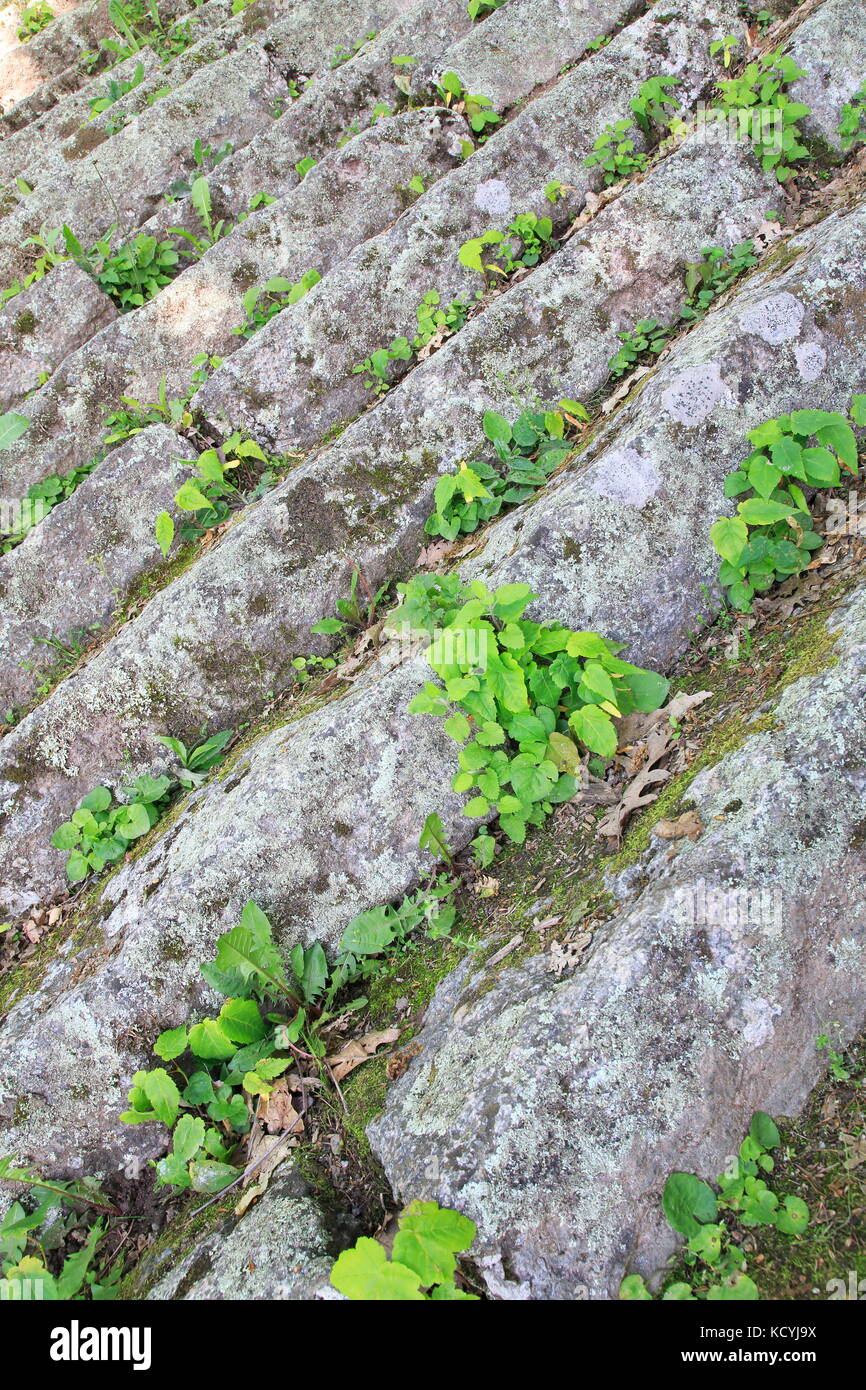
(615, 150)
(705, 1218)
(524, 699)
(758, 92)
(423, 1260)
(528, 452)
(772, 536)
(852, 122)
(27, 1236)
(270, 1033)
(495, 251)
(263, 302)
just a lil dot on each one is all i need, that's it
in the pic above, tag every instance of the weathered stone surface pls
(53, 50)
(830, 47)
(68, 414)
(75, 569)
(527, 43)
(34, 146)
(208, 648)
(551, 1112)
(620, 544)
(295, 379)
(317, 821)
(339, 101)
(25, 152)
(349, 196)
(43, 324)
(281, 1248)
(229, 99)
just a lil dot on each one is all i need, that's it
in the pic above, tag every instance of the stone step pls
(363, 501)
(75, 569)
(340, 202)
(695, 1006)
(45, 323)
(124, 181)
(295, 379)
(52, 59)
(323, 816)
(48, 54)
(340, 101)
(10, 21)
(348, 197)
(527, 43)
(620, 542)
(306, 129)
(34, 150)
(232, 98)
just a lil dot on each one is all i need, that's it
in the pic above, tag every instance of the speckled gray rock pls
(24, 152)
(43, 324)
(317, 821)
(339, 101)
(527, 43)
(67, 414)
(551, 1112)
(36, 146)
(620, 543)
(52, 51)
(295, 379)
(830, 47)
(75, 569)
(209, 648)
(350, 195)
(281, 1248)
(230, 99)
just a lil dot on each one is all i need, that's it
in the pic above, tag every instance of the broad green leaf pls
(595, 730)
(365, 1274)
(729, 535)
(763, 476)
(840, 437)
(586, 644)
(171, 1043)
(368, 933)
(741, 1289)
(241, 1021)
(506, 681)
(132, 821)
(649, 690)
(822, 469)
(759, 512)
(564, 752)
(209, 1176)
(164, 532)
(429, 1238)
(162, 1093)
(763, 1130)
(688, 1202)
(808, 422)
(793, 1218)
(188, 1137)
(97, 800)
(457, 727)
(634, 1290)
(208, 1040)
(11, 428)
(190, 498)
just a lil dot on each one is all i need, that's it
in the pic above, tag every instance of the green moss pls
(413, 975)
(174, 1243)
(24, 324)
